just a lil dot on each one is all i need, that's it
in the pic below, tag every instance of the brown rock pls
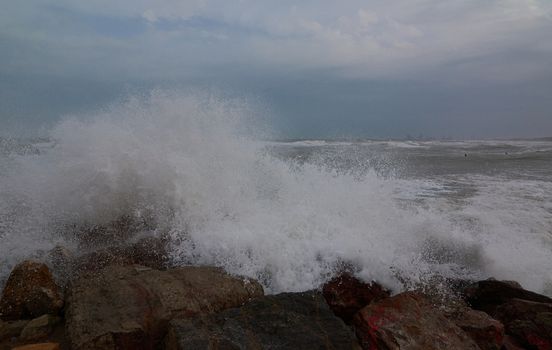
(283, 321)
(39, 328)
(129, 307)
(346, 295)
(487, 295)
(41, 346)
(408, 321)
(485, 331)
(30, 292)
(529, 323)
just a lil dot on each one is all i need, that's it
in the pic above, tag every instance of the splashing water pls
(193, 166)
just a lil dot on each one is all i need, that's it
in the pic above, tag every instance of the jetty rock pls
(487, 295)
(129, 307)
(346, 295)
(408, 321)
(30, 292)
(299, 321)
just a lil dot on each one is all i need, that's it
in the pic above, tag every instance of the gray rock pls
(284, 321)
(129, 307)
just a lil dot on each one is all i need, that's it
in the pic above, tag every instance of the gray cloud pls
(269, 48)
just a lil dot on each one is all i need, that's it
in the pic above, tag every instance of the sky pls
(321, 69)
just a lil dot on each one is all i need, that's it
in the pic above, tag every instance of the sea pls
(201, 173)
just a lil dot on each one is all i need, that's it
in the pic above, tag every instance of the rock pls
(129, 307)
(408, 321)
(40, 327)
(485, 331)
(100, 259)
(30, 292)
(487, 295)
(152, 252)
(511, 344)
(529, 323)
(41, 346)
(61, 259)
(149, 251)
(284, 321)
(346, 295)
(12, 329)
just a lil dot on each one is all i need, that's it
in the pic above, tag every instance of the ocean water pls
(197, 170)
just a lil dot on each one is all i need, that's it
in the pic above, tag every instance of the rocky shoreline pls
(128, 297)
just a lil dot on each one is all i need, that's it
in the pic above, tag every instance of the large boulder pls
(408, 321)
(346, 295)
(30, 292)
(487, 295)
(528, 322)
(485, 331)
(284, 321)
(128, 307)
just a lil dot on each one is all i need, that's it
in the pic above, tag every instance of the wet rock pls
(116, 232)
(284, 321)
(528, 323)
(408, 321)
(485, 331)
(41, 346)
(149, 251)
(511, 344)
(100, 259)
(487, 295)
(39, 328)
(61, 259)
(346, 295)
(30, 292)
(11, 329)
(129, 307)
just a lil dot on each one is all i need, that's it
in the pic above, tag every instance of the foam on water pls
(192, 165)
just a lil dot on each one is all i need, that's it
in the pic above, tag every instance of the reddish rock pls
(487, 332)
(487, 295)
(346, 295)
(529, 323)
(129, 307)
(30, 292)
(408, 321)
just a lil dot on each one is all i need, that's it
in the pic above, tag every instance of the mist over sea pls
(287, 213)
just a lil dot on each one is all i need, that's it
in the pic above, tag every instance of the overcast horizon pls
(317, 69)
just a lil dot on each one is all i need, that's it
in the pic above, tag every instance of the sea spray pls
(192, 167)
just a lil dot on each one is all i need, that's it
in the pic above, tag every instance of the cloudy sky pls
(372, 68)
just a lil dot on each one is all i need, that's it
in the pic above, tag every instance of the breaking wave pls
(195, 169)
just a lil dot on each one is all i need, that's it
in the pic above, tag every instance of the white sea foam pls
(192, 163)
